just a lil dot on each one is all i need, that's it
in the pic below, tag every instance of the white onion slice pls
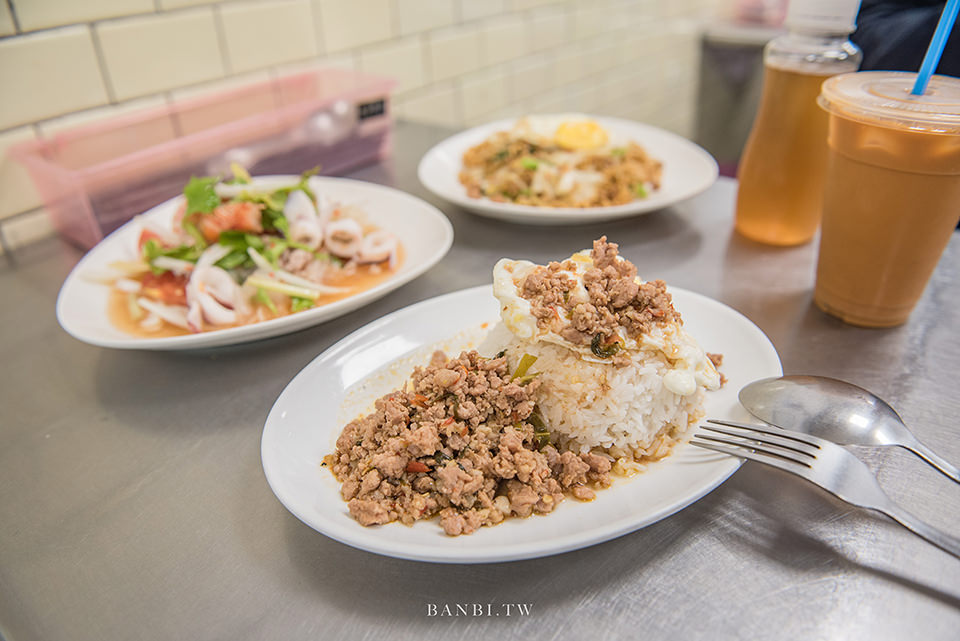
(173, 314)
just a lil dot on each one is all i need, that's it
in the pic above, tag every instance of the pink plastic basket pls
(94, 178)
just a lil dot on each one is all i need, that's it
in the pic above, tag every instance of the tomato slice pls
(167, 288)
(146, 235)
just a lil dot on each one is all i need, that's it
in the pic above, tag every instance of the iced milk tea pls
(892, 194)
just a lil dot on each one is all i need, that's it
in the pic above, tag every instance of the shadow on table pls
(759, 526)
(663, 233)
(169, 390)
(396, 589)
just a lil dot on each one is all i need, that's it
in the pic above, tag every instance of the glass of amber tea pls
(891, 193)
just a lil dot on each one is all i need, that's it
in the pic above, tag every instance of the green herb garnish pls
(302, 185)
(235, 259)
(529, 163)
(153, 249)
(273, 249)
(598, 347)
(240, 175)
(191, 229)
(238, 242)
(263, 298)
(201, 196)
(541, 436)
(640, 190)
(273, 219)
(525, 362)
(298, 304)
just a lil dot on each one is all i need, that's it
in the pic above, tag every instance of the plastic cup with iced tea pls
(891, 195)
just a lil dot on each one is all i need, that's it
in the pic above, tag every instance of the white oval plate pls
(424, 231)
(304, 424)
(687, 170)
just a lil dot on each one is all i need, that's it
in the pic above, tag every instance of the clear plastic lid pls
(883, 97)
(822, 16)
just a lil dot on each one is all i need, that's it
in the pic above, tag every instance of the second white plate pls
(424, 232)
(303, 427)
(687, 170)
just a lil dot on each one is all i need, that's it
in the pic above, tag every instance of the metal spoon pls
(835, 410)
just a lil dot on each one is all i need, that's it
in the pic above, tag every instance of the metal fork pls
(822, 463)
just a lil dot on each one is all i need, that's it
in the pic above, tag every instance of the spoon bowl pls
(837, 411)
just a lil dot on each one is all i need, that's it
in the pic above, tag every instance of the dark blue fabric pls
(894, 35)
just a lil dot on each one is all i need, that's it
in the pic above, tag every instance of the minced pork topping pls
(461, 440)
(615, 299)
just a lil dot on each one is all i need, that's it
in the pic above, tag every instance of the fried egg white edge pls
(691, 368)
(515, 310)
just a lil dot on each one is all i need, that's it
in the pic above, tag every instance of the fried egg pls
(575, 132)
(690, 366)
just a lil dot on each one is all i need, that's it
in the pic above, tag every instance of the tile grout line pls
(318, 37)
(394, 20)
(5, 247)
(427, 61)
(102, 64)
(312, 10)
(13, 16)
(458, 101)
(222, 41)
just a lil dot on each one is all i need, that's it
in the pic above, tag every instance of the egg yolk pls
(581, 134)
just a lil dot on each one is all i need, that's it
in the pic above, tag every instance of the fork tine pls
(806, 439)
(786, 455)
(773, 460)
(767, 438)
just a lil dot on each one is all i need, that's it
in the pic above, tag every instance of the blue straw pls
(935, 50)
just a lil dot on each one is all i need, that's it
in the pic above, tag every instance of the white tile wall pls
(259, 35)
(42, 14)
(438, 105)
(483, 93)
(504, 38)
(532, 76)
(150, 54)
(348, 24)
(454, 52)
(403, 59)
(26, 228)
(179, 4)
(549, 28)
(48, 74)
(421, 15)
(17, 191)
(458, 62)
(473, 9)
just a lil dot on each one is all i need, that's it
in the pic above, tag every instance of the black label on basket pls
(371, 109)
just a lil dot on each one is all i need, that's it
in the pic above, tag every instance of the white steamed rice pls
(627, 411)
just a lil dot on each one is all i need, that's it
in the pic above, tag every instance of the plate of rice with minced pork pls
(546, 413)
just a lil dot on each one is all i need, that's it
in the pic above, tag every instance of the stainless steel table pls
(133, 504)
